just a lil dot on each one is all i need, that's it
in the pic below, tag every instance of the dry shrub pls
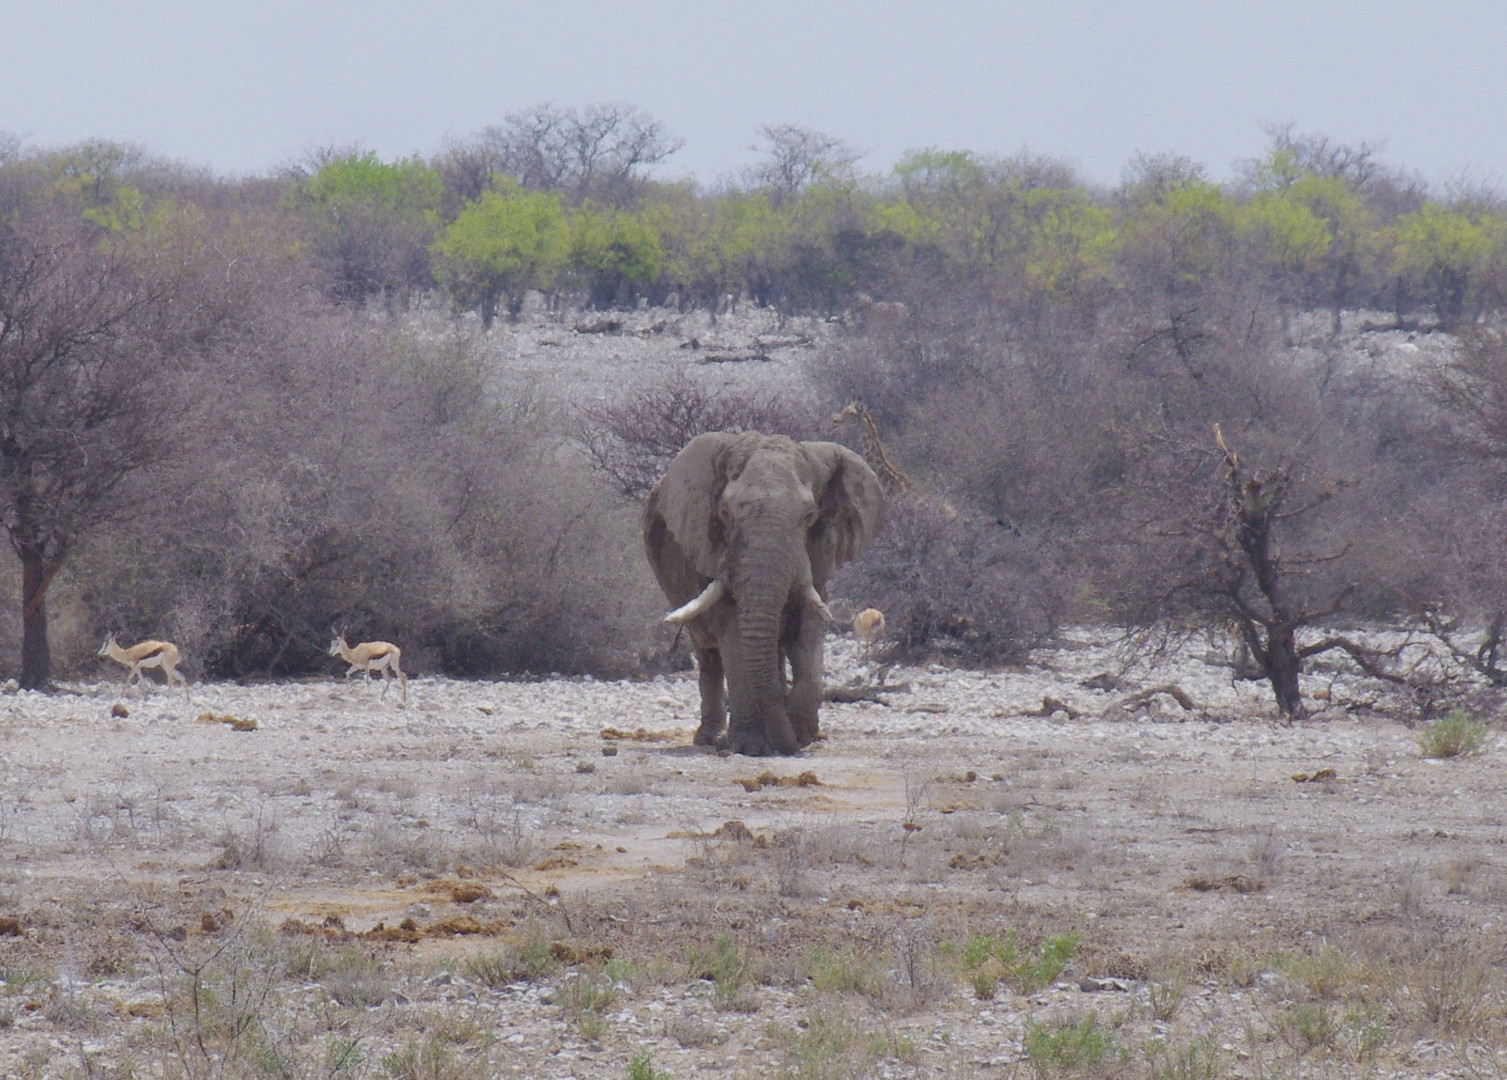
(361, 473)
(954, 584)
(632, 440)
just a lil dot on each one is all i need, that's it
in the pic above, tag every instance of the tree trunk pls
(36, 659)
(1282, 666)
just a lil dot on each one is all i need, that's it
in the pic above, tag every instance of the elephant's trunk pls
(761, 620)
(764, 607)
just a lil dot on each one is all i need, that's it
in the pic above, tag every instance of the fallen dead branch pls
(1050, 705)
(752, 356)
(864, 691)
(1175, 692)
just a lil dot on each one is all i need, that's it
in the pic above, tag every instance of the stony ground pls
(543, 879)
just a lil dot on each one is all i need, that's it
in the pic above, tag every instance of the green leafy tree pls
(948, 197)
(936, 172)
(93, 171)
(1353, 240)
(1180, 261)
(1178, 229)
(1069, 241)
(1290, 237)
(615, 252)
(1314, 230)
(506, 242)
(1441, 251)
(372, 224)
(817, 251)
(714, 246)
(1025, 223)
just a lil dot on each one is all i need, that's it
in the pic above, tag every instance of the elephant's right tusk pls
(699, 606)
(814, 598)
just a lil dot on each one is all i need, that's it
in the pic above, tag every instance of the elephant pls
(742, 531)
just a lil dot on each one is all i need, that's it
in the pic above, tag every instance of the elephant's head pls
(743, 532)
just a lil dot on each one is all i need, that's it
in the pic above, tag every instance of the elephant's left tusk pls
(814, 598)
(699, 606)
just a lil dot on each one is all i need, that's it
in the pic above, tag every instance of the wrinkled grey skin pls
(768, 517)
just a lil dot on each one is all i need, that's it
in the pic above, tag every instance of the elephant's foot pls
(753, 744)
(804, 728)
(756, 742)
(714, 735)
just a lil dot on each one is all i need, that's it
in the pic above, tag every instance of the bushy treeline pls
(1142, 405)
(1327, 226)
(561, 201)
(522, 207)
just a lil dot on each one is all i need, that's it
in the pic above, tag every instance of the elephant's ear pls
(682, 510)
(850, 506)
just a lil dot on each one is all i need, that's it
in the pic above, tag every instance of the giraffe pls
(891, 479)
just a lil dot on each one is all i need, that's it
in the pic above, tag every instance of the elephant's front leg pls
(713, 696)
(805, 653)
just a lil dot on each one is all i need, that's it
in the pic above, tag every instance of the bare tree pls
(1257, 550)
(468, 169)
(1470, 389)
(630, 441)
(1357, 164)
(795, 156)
(88, 395)
(600, 152)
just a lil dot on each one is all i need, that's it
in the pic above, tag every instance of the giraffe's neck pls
(893, 479)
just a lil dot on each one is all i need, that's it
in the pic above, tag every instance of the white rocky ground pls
(575, 357)
(1176, 842)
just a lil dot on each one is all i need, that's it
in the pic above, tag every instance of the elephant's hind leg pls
(713, 697)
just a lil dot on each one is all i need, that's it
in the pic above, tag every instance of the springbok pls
(146, 654)
(868, 624)
(868, 627)
(371, 656)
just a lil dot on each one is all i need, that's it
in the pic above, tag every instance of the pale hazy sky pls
(245, 87)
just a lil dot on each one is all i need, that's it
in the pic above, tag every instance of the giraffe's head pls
(849, 411)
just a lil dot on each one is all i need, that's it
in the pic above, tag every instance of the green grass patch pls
(729, 972)
(988, 960)
(846, 970)
(1457, 735)
(530, 960)
(1069, 1049)
(584, 997)
(642, 1068)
